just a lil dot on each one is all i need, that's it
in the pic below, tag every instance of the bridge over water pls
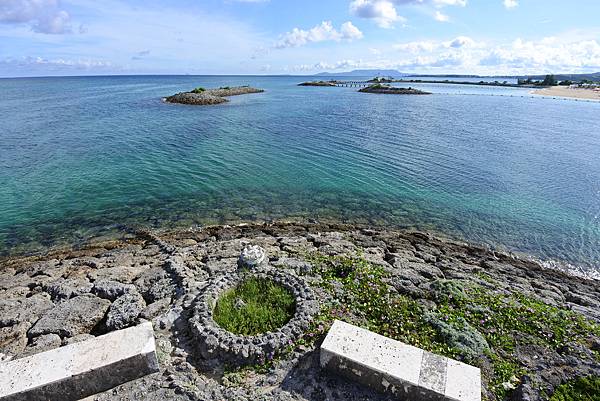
(351, 84)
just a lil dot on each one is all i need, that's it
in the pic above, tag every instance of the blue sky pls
(81, 37)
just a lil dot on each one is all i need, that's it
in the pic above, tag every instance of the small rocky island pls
(388, 89)
(203, 97)
(318, 83)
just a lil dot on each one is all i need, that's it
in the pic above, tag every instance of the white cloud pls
(382, 12)
(548, 54)
(437, 3)
(441, 17)
(510, 4)
(43, 16)
(461, 41)
(58, 63)
(385, 14)
(427, 46)
(320, 33)
(464, 55)
(460, 3)
(350, 32)
(417, 47)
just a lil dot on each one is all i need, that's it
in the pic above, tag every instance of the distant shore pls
(565, 91)
(480, 83)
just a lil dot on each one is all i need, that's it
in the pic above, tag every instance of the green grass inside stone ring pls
(254, 306)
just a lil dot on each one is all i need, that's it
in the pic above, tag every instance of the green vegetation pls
(582, 389)
(198, 90)
(549, 80)
(254, 306)
(379, 86)
(468, 322)
(225, 87)
(460, 319)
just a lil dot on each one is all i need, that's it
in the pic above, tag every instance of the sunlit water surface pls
(81, 156)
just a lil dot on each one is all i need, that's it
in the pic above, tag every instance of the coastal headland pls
(528, 328)
(203, 97)
(565, 91)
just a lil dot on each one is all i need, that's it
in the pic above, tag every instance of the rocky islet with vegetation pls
(318, 83)
(392, 90)
(203, 97)
(532, 331)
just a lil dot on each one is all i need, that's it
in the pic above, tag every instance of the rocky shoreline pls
(67, 296)
(204, 97)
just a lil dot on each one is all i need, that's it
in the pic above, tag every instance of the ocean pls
(82, 157)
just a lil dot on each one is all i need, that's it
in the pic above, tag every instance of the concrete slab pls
(79, 370)
(396, 368)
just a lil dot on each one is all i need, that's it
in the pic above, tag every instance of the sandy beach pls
(565, 91)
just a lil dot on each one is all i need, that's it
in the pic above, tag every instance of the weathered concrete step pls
(81, 369)
(393, 367)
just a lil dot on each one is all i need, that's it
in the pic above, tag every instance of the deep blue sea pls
(81, 156)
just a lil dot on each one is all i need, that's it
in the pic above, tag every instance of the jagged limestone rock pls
(252, 256)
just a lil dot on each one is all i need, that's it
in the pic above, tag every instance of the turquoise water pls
(80, 156)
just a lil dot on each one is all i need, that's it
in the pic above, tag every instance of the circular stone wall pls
(216, 342)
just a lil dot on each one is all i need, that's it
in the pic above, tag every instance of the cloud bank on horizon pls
(495, 37)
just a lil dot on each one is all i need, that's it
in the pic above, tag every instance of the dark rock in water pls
(386, 89)
(78, 315)
(210, 96)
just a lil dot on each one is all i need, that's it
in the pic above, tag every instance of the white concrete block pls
(393, 367)
(463, 382)
(81, 369)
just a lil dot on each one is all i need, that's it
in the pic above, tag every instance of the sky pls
(486, 37)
